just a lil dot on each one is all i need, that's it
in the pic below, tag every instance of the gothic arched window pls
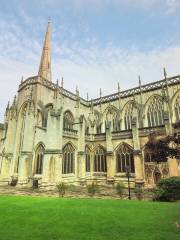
(88, 159)
(39, 160)
(177, 108)
(100, 160)
(124, 158)
(68, 159)
(68, 120)
(128, 116)
(155, 112)
(111, 116)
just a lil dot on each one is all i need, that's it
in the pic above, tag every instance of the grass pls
(36, 218)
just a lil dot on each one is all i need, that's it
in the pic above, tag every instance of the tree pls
(168, 189)
(161, 149)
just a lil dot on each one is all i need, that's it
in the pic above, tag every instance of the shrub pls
(138, 190)
(168, 189)
(61, 188)
(92, 189)
(120, 189)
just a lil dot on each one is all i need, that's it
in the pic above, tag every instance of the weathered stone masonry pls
(50, 134)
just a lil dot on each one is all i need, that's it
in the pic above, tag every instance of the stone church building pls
(52, 135)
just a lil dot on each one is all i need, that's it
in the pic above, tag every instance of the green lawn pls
(32, 218)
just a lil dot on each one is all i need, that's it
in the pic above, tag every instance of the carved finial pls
(57, 82)
(91, 105)
(133, 95)
(31, 94)
(139, 80)
(77, 91)
(100, 93)
(49, 19)
(62, 82)
(87, 96)
(14, 101)
(119, 88)
(165, 73)
(22, 79)
(7, 108)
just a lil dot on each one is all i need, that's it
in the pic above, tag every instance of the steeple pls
(45, 64)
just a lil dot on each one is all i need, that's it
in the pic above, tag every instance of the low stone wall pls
(103, 192)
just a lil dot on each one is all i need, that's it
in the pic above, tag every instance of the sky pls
(95, 43)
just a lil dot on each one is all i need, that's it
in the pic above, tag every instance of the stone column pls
(81, 147)
(110, 166)
(109, 155)
(81, 166)
(138, 161)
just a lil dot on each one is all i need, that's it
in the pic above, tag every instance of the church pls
(52, 135)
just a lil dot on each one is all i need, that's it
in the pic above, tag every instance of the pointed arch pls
(124, 158)
(154, 111)
(23, 108)
(123, 143)
(128, 114)
(100, 164)
(70, 143)
(39, 158)
(68, 162)
(110, 115)
(87, 158)
(43, 112)
(176, 107)
(68, 120)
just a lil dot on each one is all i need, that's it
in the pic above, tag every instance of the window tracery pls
(39, 160)
(87, 159)
(111, 116)
(68, 159)
(124, 158)
(155, 112)
(68, 120)
(128, 116)
(100, 160)
(177, 108)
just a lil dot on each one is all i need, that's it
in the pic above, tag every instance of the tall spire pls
(45, 64)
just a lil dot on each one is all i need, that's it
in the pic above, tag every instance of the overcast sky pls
(95, 43)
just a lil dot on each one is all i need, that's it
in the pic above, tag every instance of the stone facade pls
(51, 135)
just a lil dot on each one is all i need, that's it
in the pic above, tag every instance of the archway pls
(157, 176)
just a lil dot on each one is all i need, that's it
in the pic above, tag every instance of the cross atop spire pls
(45, 64)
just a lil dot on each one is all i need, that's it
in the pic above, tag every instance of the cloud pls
(83, 62)
(104, 68)
(170, 5)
